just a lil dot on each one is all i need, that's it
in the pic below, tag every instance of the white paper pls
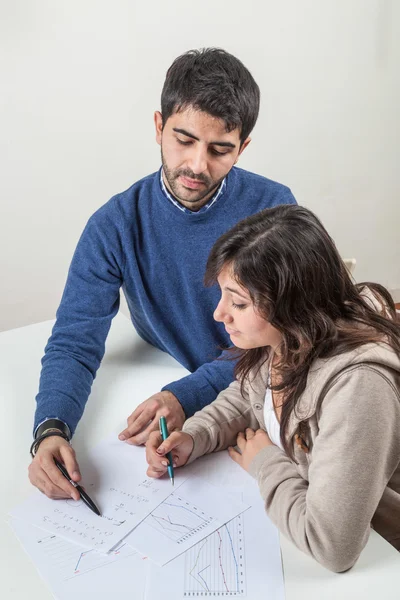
(73, 573)
(113, 474)
(187, 516)
(242, 559)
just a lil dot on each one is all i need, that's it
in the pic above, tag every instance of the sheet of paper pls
(71, 572)
(113, 474)
(187, 516)
(241, 559)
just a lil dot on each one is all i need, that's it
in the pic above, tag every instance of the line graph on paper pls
(69, 560)
(178, 519)
(216, 565)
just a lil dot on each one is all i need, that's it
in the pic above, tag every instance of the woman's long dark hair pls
(290, 266)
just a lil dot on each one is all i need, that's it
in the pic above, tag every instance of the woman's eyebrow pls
(236, 292)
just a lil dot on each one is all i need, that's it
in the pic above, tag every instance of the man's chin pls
(192, 196)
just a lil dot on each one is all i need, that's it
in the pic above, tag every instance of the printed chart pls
(69, 560)
(178, 519)
(216, 565)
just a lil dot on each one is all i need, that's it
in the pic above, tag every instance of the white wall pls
(80, 81)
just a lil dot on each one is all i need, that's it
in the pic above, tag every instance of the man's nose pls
(198, 160)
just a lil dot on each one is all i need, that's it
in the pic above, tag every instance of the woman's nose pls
(220, 314)
(217, 313)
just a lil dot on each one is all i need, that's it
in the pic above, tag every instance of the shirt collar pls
(204, 208)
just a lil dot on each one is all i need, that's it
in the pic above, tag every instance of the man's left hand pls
(146, 417)
(250, 443)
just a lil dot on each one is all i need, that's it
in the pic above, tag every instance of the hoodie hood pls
(324, 372)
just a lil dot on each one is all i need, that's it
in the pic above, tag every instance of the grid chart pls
(178, 519)
(69, 561)
(216, 565)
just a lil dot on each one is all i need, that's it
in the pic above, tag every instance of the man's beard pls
(173, 176)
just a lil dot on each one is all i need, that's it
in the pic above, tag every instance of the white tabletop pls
(131, 371)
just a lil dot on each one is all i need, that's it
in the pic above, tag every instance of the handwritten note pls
(78, 573)
(114, 478)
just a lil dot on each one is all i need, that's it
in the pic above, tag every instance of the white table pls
(131, 371)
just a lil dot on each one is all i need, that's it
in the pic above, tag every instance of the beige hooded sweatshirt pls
(349, 479)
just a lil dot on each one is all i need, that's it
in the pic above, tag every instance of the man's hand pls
(250, 443)
(180, 445)
(44, 474)
(145, 418)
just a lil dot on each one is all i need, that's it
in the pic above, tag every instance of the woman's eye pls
(239, 306)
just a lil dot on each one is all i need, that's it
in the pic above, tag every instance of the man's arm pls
(203, 386)
(75, 350)
(90, 301)
(180, 399)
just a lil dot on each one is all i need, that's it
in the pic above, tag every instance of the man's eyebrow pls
(237, 293)
(184, 132)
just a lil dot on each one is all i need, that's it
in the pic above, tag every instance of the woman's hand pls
(180, 445)
(250, 443)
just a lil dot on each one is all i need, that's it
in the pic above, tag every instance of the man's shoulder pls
(261, 186)
(124, 204)
(141, 188)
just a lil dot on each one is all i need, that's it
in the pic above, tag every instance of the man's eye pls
(239, 306)
(182, 142)
(218, 153)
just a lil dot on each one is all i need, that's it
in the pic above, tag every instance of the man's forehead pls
(204, 126)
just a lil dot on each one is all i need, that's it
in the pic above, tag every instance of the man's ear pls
(242, 147)
(158, 122)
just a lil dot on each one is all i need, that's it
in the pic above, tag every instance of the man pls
(153, 240)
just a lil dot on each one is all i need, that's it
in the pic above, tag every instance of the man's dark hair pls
(215, 82)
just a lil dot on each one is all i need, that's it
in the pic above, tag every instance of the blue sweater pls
(139, 240)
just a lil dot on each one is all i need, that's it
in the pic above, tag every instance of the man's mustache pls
(191, 175)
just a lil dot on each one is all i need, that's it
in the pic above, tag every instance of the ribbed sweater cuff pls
(263, 457)
(187, 396)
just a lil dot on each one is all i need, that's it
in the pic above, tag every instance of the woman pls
(315, 409)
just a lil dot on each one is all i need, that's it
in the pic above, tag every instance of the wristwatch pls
(50, 427)
(55, 424)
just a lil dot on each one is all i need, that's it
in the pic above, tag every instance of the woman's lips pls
(231, 331)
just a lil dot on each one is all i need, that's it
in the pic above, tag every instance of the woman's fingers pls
(180, 446)
(250, 433)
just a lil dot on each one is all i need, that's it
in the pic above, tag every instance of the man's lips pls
(194, 184)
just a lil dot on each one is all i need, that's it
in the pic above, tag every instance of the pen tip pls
(172, 481)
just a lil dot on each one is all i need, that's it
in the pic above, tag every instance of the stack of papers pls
(206, 536)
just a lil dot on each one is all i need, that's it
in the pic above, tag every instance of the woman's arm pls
(216, 426)
(353, 458)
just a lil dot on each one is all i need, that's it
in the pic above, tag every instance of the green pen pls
(164, 435)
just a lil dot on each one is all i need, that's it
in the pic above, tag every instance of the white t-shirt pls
(272, 424)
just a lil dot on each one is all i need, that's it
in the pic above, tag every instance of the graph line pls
(216, 566)
(80, 558)
(178, 520)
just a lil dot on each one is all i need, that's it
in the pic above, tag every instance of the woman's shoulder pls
(375, 362)
(379, 354)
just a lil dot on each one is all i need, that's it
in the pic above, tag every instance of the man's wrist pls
(55, 425)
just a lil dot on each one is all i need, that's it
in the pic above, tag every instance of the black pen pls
(87, 500)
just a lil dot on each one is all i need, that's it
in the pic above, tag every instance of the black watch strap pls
(53, 424)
